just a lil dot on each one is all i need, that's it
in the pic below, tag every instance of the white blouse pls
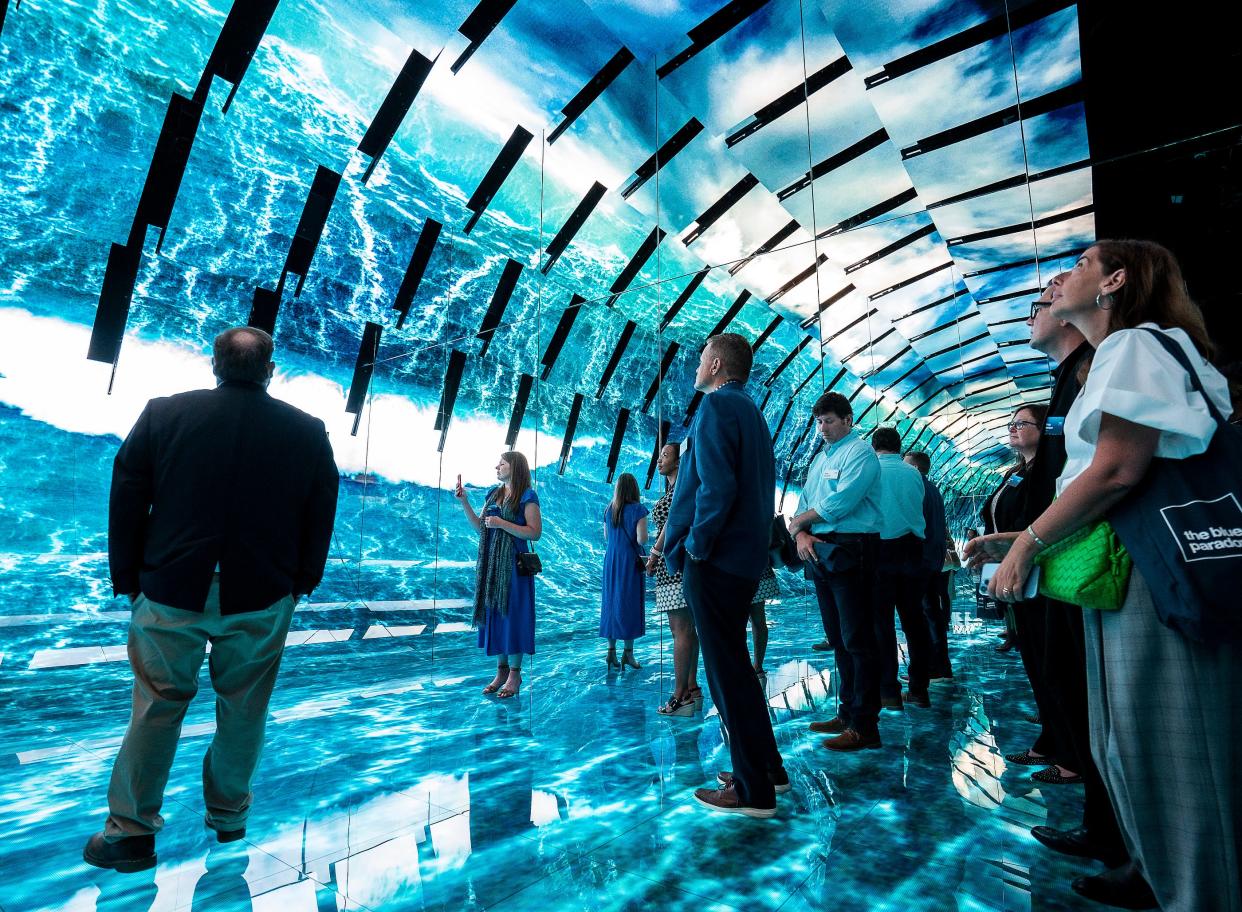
(1134, 378)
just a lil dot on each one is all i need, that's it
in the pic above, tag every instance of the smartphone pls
(1029, 591)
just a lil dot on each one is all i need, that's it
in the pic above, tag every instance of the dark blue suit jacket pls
(724, 500)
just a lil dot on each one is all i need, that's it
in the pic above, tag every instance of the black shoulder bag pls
(1182, 525)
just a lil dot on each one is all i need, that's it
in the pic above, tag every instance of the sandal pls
(1026, 758)
(675, 707)
(505, 692)
(1052, 776)
(497, 683)
(627, 658)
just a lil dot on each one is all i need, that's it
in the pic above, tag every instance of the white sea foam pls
(52, 382)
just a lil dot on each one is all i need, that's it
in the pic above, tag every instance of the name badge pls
(831, 474)
(1055, 425)
(1013, 480)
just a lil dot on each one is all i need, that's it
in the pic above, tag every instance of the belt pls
(839, 537)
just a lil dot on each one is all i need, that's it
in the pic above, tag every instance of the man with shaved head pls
(219, 519)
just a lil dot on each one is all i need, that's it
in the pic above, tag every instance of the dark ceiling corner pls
(1164, 120)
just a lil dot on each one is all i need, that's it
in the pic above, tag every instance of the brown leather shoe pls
(918, 698)
(822, 646)
(851, 740)
(726, 801)
(891, 703)
(833, 726)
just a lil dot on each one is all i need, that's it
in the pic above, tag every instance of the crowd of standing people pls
(1133, 703)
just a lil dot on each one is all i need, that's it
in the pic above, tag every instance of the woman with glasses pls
(1004, 512)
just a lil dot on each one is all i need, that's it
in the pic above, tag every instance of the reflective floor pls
(389, 783)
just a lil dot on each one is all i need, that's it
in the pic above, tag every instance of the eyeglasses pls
(1035, 305)
(1018, 425)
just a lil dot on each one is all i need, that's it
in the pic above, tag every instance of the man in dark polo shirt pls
(219, 519)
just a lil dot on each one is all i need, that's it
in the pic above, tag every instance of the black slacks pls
(938, 609)
(1054, 739)
(847, 608)
(899, 584)
(720, 604)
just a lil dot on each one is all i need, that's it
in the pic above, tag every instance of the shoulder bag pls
(1183, 525)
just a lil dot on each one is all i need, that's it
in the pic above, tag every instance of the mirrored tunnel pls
(479, 227)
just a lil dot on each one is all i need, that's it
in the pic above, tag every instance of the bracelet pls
(1030, 530)
(655, 551)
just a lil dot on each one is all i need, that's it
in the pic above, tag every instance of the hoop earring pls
(1100, 300)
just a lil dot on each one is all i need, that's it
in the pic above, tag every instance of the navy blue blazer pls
(724, 501)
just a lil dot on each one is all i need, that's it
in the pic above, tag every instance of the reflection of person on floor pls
(671, 600)
(622, 615)
(220, 518)
(504, 600)
(223, 887)
(717, 535)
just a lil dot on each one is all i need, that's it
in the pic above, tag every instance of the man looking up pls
(1064, 662)
(220, 517)
(717, 533)
(837, 531)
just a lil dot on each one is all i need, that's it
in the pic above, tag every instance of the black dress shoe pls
(1122, 887)
(128, 855)
(1076, 842)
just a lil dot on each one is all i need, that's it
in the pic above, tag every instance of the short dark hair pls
(734, 353)
(242, 353)
(920, 460)
(886, 439)
(835, 403)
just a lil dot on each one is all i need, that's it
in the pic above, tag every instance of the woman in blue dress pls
(504, 600)
(625, 532)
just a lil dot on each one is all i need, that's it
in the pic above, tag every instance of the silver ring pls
(1007, 589)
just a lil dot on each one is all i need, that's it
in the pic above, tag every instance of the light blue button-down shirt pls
(843, 487)
(901, 496)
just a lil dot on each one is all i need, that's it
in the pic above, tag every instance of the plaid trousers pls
(1166, 724)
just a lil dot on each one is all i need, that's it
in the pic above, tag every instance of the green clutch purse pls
(1090, 568)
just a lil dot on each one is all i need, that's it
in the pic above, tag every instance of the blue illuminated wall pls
(876, 234)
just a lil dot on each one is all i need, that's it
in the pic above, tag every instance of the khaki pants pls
(166, 649)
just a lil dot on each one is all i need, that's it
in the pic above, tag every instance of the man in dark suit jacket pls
(219, 519)
(717, 534)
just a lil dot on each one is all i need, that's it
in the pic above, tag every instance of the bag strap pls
(1179, 353)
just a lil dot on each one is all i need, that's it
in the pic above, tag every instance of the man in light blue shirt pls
(900, 579)
(837, 532)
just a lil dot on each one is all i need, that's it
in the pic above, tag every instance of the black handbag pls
(833, 558)
(528, 563)
(1182, 525)
(781, 548)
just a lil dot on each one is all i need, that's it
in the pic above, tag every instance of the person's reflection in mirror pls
(223, 887)
(504, 600)
(623, 590)
(669, 598)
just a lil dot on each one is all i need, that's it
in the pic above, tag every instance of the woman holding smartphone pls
(504, 600)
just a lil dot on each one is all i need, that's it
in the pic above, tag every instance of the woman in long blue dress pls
(504, 600)
(625, 532)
